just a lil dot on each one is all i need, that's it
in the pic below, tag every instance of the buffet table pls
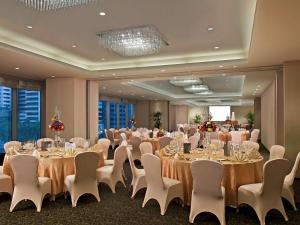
(55, 165)
(235, 173)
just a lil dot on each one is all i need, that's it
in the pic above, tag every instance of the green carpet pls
(120, 209)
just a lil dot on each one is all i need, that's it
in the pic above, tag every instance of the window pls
(130, 113)
(28, 115)
(5, 115)
(102, 118)
(112, 115)
(122, 115)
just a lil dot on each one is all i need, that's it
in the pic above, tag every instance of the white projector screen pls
(219, 113)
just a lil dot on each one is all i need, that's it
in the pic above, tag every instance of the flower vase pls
(56, 138)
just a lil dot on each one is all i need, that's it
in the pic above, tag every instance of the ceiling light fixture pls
(29, 27)
(208, 92)
(17, 68)
(48, 5)
(102, 13)
(163, 71)
(221, 66)
(135, 41)
(210, 29)
(196, 88)
(216, 47)
(52, 76)
(185, 82)
(74, 46)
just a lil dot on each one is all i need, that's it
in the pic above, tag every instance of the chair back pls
(146, 147)
(236, 137)
(194, 141)
(85, 166)
(274, 172)
(250, 144)
(291, 176)
(104, 144)
(277, 152)
(131, 162)
(136, 134)
(152, 166)
(207, 183)
(109, 135)
(15, 144)
(164, 141)
(25, 170)
(40, 141)
(120, 156)
(254, 135)
(123, 136)
(78, 141)
(135, 142)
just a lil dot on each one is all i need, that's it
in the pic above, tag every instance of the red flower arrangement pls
(133, 122)
(56, 124)
(208, 126)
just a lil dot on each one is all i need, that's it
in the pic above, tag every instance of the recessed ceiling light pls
(223, 74)
(74, 46)
(163, 71)
(17, 68)
(52, 76)
(131, 80)
(175, 78)
(210, 28)
(102, 59)
(104, 87)
(29, 27)
(235, 66)
(102, 75)
(216, 47)
(114, 74)
(102, 13)
(142, 96)
(221, 66)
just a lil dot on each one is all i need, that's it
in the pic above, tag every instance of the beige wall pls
(142, 114)
(257, 113)
(240, 113)
(268, 116)
(92, 110)
(178, 114)
(291, 90)
(193, 111)
(69, 95)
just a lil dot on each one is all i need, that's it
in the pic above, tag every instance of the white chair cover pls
(254, 135)
(27, 184)
(104, 145)
(138, 176)
(263, 197)
(84, 180)
(194, 141)
(164, 141)
(288, 190)
(208, 195)
(111, 174)
(39, 142)
(277, 152)
(16, 144)
(135, 142)
(146, 147)
(78, 141)
(250, 145)
(123, 136)
(110, 136)
(236, 137)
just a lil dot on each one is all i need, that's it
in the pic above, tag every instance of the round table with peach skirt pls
(154, 142)
(235, 174)
(54, 166)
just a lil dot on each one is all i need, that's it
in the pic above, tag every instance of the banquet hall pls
(142, 112)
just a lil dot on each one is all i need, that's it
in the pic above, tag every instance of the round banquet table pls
(235, 175)
(154, 142)
(53, 166)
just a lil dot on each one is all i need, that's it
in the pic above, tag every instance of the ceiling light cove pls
(185, 82)
(196, 88)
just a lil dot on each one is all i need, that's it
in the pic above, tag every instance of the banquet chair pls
(263, 197)
(277, 152)
(208, 195)
(164, 141)
(16, 144)
(146, 147)
(110, 136)
(288, 190)
(236, 137)
(104, 144)
(250, 144)
(84, 180)
(111, 174)
(194, 141)
(27, 184)
(136, 134)
(254, 135)
(6, 184)
(40, 141)
(123, 136)
(162, 189)
(135, 142)
(138, 176)
(78, 141)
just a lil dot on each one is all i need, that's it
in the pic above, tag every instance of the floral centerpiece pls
(56, 124)
(133, 122)
(161, 133)
(208, 126)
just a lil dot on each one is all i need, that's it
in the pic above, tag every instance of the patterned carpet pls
(120, 209)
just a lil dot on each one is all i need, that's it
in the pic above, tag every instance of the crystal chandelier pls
(136, 41)
(47, 5)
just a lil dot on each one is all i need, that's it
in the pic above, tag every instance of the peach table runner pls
(53, 166)
(235, 174)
